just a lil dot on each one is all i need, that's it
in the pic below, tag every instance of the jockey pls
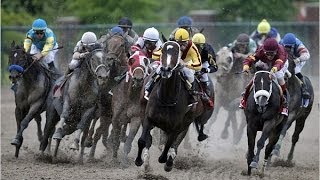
(149, 43)
(115, 30)
(208, 59)
(190, 58)
(87, 44)
(264, 31)
(243, 46)
(300, 54)
(184, 22)
(40, 41)
(130, 35)
(269, 52)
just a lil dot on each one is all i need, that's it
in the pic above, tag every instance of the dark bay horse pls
(263, 114)
(228, 88)
(297, 112)
(167, 107)
(116, 56)
(32, 92)
(79, 100)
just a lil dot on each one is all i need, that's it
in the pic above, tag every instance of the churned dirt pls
(214, 158)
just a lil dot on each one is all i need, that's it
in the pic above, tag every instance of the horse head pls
(98, 65)
(138, 68)
(224, 59)
(169, 59)
(19, 61)
(262, 89)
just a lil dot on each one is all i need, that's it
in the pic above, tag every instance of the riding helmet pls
(199, 38)
(151, 34)
(39, 25)
(289, 39)
(270, 44)
(263, 27)
(88, 38)
(184, 21)
(181, 35)
(125, 22)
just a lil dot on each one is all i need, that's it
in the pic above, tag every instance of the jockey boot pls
(285, 103)
(305, 93)
(150, 84)
(245, 94)
(207, 92)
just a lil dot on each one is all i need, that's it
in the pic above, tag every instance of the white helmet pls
(151, 34)
(88, 38)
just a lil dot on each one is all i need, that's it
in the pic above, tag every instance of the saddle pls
(58, 86)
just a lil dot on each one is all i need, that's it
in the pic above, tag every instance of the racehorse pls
(115, 53)
(75, 111)
(32, 92)
(126, 102)
(167, 107)
(229, 86)
(263, 114)
(298, 111)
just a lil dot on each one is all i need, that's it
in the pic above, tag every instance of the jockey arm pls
(211, 60)
(48, 46)
(193, 58)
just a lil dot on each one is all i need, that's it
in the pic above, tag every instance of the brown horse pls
(116, 54)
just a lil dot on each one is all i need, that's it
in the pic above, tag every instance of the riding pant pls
(298, 67)
(189, 74)
(204, 76)
(48, 58)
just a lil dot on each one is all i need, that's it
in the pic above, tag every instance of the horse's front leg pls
(17, 141)
(84, 122)
(251, 136)
(59, 132)
(146, 127)
(39, 130)
(164, 155)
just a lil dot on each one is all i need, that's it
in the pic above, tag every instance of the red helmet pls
(270, 45)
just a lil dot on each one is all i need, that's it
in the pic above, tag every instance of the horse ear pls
(131, 61)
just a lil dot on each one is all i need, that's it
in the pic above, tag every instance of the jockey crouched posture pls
(243, 46)
(40, 40)
(269, 53)
(300, 54)
(190, 58)
(208, 59)
(87, 44)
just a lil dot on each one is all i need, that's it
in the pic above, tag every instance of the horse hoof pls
(167, 168)
(202, 137)
(16, 142)
(275, 152)
(88, 143)
(169, 164)
(57, 134)
(254, 165)
(162, 159)
(138, 162)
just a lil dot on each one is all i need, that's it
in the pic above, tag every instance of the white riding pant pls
(50, 57)
(204, 76)
(298, 67)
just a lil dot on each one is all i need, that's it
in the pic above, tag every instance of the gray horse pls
(228, 88)
(33, 84)
(79, 100)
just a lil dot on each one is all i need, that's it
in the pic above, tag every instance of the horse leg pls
(267, 127)
(242, 125)
(213, 117)
(85, 121)
(251, 135)
(295, 137)
(277, 147)
(134, 127)
(115, 135)
(89, 139)
(142, 141)
(225, 133)
(83, 138)
(164, 155)
(19, 117)
(234, 126)
(186, 142)
(96, 137)
(58, 134)
(273, 138)
(123, 133)
(52, 118)
(17, 141)
(146, 155)
(39, 130)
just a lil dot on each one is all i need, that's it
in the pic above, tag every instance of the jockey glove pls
(245, 69)
(84, 55)
(37, 56)
(274, 69)
(205, 70)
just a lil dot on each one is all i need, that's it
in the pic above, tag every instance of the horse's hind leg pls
(84, 136)
(295, 137)
(37, 118)
(134, 127)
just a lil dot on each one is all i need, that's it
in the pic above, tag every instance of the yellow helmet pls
(199, 38)
(263, 27)
(181, 35)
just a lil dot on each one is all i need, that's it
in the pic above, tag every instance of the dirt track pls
(213, 159)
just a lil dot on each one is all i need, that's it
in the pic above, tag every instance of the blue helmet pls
(125, 22)
(39, 25)
(289, 39)
(117, 30)
(184, 21)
